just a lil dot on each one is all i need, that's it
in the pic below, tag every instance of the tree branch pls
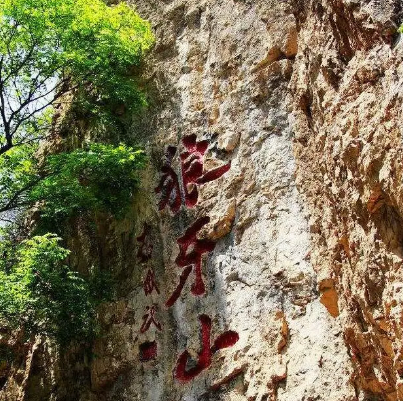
(11, 203)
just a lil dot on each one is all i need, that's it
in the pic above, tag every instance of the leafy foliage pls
(83, 53)
(98, 178)
(43, 295)
(101, 177)
(52, 47)
(18, 175)
(37, 289)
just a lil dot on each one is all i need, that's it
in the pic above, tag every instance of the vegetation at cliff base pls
(58, 58)
(40, 293)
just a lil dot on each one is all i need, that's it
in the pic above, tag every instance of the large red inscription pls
(191, 250)
(177, 189)
(225, 340)
(193, 174)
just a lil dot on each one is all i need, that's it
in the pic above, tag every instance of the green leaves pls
(41, 294)
(18, 175)
(98, 178)
(37, 289)
(51, 47)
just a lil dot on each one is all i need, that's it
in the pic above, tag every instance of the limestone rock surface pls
(301, 256)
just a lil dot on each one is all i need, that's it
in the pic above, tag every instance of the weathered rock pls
(346, 88)
(303, 99)
(228, 72)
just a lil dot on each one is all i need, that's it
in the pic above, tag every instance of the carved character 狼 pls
(193, 174)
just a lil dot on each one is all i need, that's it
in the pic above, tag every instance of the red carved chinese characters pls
(191, 250)
(168, 186)
(148, 351)
(148, 319)
(192, 161)
(146, 247)
(173, 194)
(150, 283)
(193, 174)
(225, 340)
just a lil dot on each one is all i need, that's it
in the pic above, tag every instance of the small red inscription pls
(191, 250)
(148, 319)
(225, 340)
(168, 186)
(148, 351)
(146, 247)
(150, 283)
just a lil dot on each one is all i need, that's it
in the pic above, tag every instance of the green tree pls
(42, 295)
(82, 53)
(18, 175)
(38, 290)
(50, 48)
(97, 178)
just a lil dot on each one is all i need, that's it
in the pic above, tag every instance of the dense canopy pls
(51, 47)
(78, 54)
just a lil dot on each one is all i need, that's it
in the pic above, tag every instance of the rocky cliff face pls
(348, 144)
(267, 265)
